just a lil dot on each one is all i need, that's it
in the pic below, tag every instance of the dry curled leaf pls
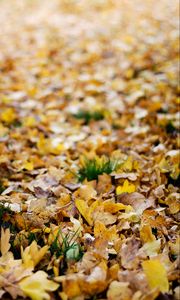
(5, 237)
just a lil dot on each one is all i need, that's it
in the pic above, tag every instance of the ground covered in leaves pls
(89, 149)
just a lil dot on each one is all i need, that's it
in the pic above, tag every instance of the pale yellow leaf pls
(37, 286)
(33, 254)
(119, 291)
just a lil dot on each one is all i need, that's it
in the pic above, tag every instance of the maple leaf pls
(33, 254)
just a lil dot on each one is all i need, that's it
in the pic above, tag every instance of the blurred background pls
(67, 42)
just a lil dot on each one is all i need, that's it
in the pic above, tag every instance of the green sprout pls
(92, 168)
(88, 116)
(68, 248)
(170, 128)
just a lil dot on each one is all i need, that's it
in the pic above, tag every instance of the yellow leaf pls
(29, 121)
(113, 271)
(32, 255)
(93, 206)
(71, 288)
(129, 73)
(128, 164)
(84, 210)
(119, 291)
(46, 146)
(101, 230)
(8, 115)
(146, 234)
(173, 202)
(5, 237)
(125, 188)
(43, 145)
(37, 285)
(164, 166)
(55, 149)
(28, 165)
(113, 207)
(156, 275)
(170, 164)
(63, 296)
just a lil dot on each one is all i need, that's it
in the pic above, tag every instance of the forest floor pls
(89, 163)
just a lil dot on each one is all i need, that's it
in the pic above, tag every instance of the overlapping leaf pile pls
(89, 149)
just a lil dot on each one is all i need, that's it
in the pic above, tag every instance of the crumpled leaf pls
(10, 276)
(137, 201)
(95, 282)
(112, 207)
(87, 192)
(129, 253)
(151, 248)
(5, 237)
(173, 201)
(156, 275)
(174, 246)
(119, 291)
(37, 286)
(170, 164)
(101, 230)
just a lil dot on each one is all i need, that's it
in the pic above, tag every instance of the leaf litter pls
(89, 150)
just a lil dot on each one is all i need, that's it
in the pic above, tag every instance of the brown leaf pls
(5, 237)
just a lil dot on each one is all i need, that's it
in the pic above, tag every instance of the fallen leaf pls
(33, 254)
(125, 188)
(156, 275)
(8, 115)
(5, 237)
(37, 286)
(119, 291)
(84, 210)
(146, 234)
